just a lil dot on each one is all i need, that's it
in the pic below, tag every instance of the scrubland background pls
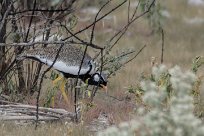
(182, 23)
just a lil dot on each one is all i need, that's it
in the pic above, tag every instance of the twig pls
(82, 41)
(118, 57)
(132, 20)
(128, 18)
(122, 31)
(5, 16)
(20, 50)
(115, 98)
(40, 84)
(162, 51)
(49, 42)
(129, 60)
(101, 51)
(135, 55)
(91, 40)
(42, 10)
(31, 20)
(93, 28)
(101, 68)
(97, 20)
(50, 22)
(75, 90)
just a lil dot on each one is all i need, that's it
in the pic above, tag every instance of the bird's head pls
(98, 79)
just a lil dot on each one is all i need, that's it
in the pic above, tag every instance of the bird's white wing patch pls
(61, 66)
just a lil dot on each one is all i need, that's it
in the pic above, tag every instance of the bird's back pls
(69, 57)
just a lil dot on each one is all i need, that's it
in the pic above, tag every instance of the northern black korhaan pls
(68, 63)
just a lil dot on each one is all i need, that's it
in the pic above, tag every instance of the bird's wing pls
(68, 61)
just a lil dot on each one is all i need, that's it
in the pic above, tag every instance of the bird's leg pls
(53, 101)
(57, 80)
(62, 89)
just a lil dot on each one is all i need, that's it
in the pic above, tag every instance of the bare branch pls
(162, 51)
(49, 42)
(40, 84)
(42, 10)
(135, 55)
(31, 20)
(97, 19)
(5, 16)
(82, 41)
(133, 20)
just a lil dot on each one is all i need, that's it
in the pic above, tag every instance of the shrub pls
(169, 99)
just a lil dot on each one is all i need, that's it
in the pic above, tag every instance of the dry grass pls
(48, 129)
(183, 42)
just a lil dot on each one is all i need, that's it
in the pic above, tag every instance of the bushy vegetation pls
(169, 107)
(161, 104)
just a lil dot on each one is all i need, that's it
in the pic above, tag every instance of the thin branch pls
(136, 8)
(97, 20)
(50, 42)
(135, 55)
(128, 10)
(101, 51)
(118, 57)
(25, 40)
(133, 20)
(92, 32)
(82, 41)
(5, 16)
(162, 51)
(40, 84)
(50, 22)
(31, 20)
(101, 68)
(42, 10)
(117, 99)
(75, 91)
(128, 60)
(91, 40)
(122, 31)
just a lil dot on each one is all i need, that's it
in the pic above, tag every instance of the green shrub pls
(169, 115)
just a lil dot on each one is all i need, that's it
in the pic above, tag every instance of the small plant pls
(50, 97)
(170, 118)
(114, 62)
(197, 63)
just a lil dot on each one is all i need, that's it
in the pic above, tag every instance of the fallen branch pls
(14, 118)
(16, 111)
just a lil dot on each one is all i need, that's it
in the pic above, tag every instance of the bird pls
(68, 63)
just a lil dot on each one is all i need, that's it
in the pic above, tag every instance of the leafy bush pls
(170, 106)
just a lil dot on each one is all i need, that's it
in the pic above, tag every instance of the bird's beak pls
(104, 87)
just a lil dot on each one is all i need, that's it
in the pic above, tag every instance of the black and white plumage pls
(68, 63)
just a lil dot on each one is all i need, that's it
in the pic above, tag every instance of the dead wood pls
(10, 111)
